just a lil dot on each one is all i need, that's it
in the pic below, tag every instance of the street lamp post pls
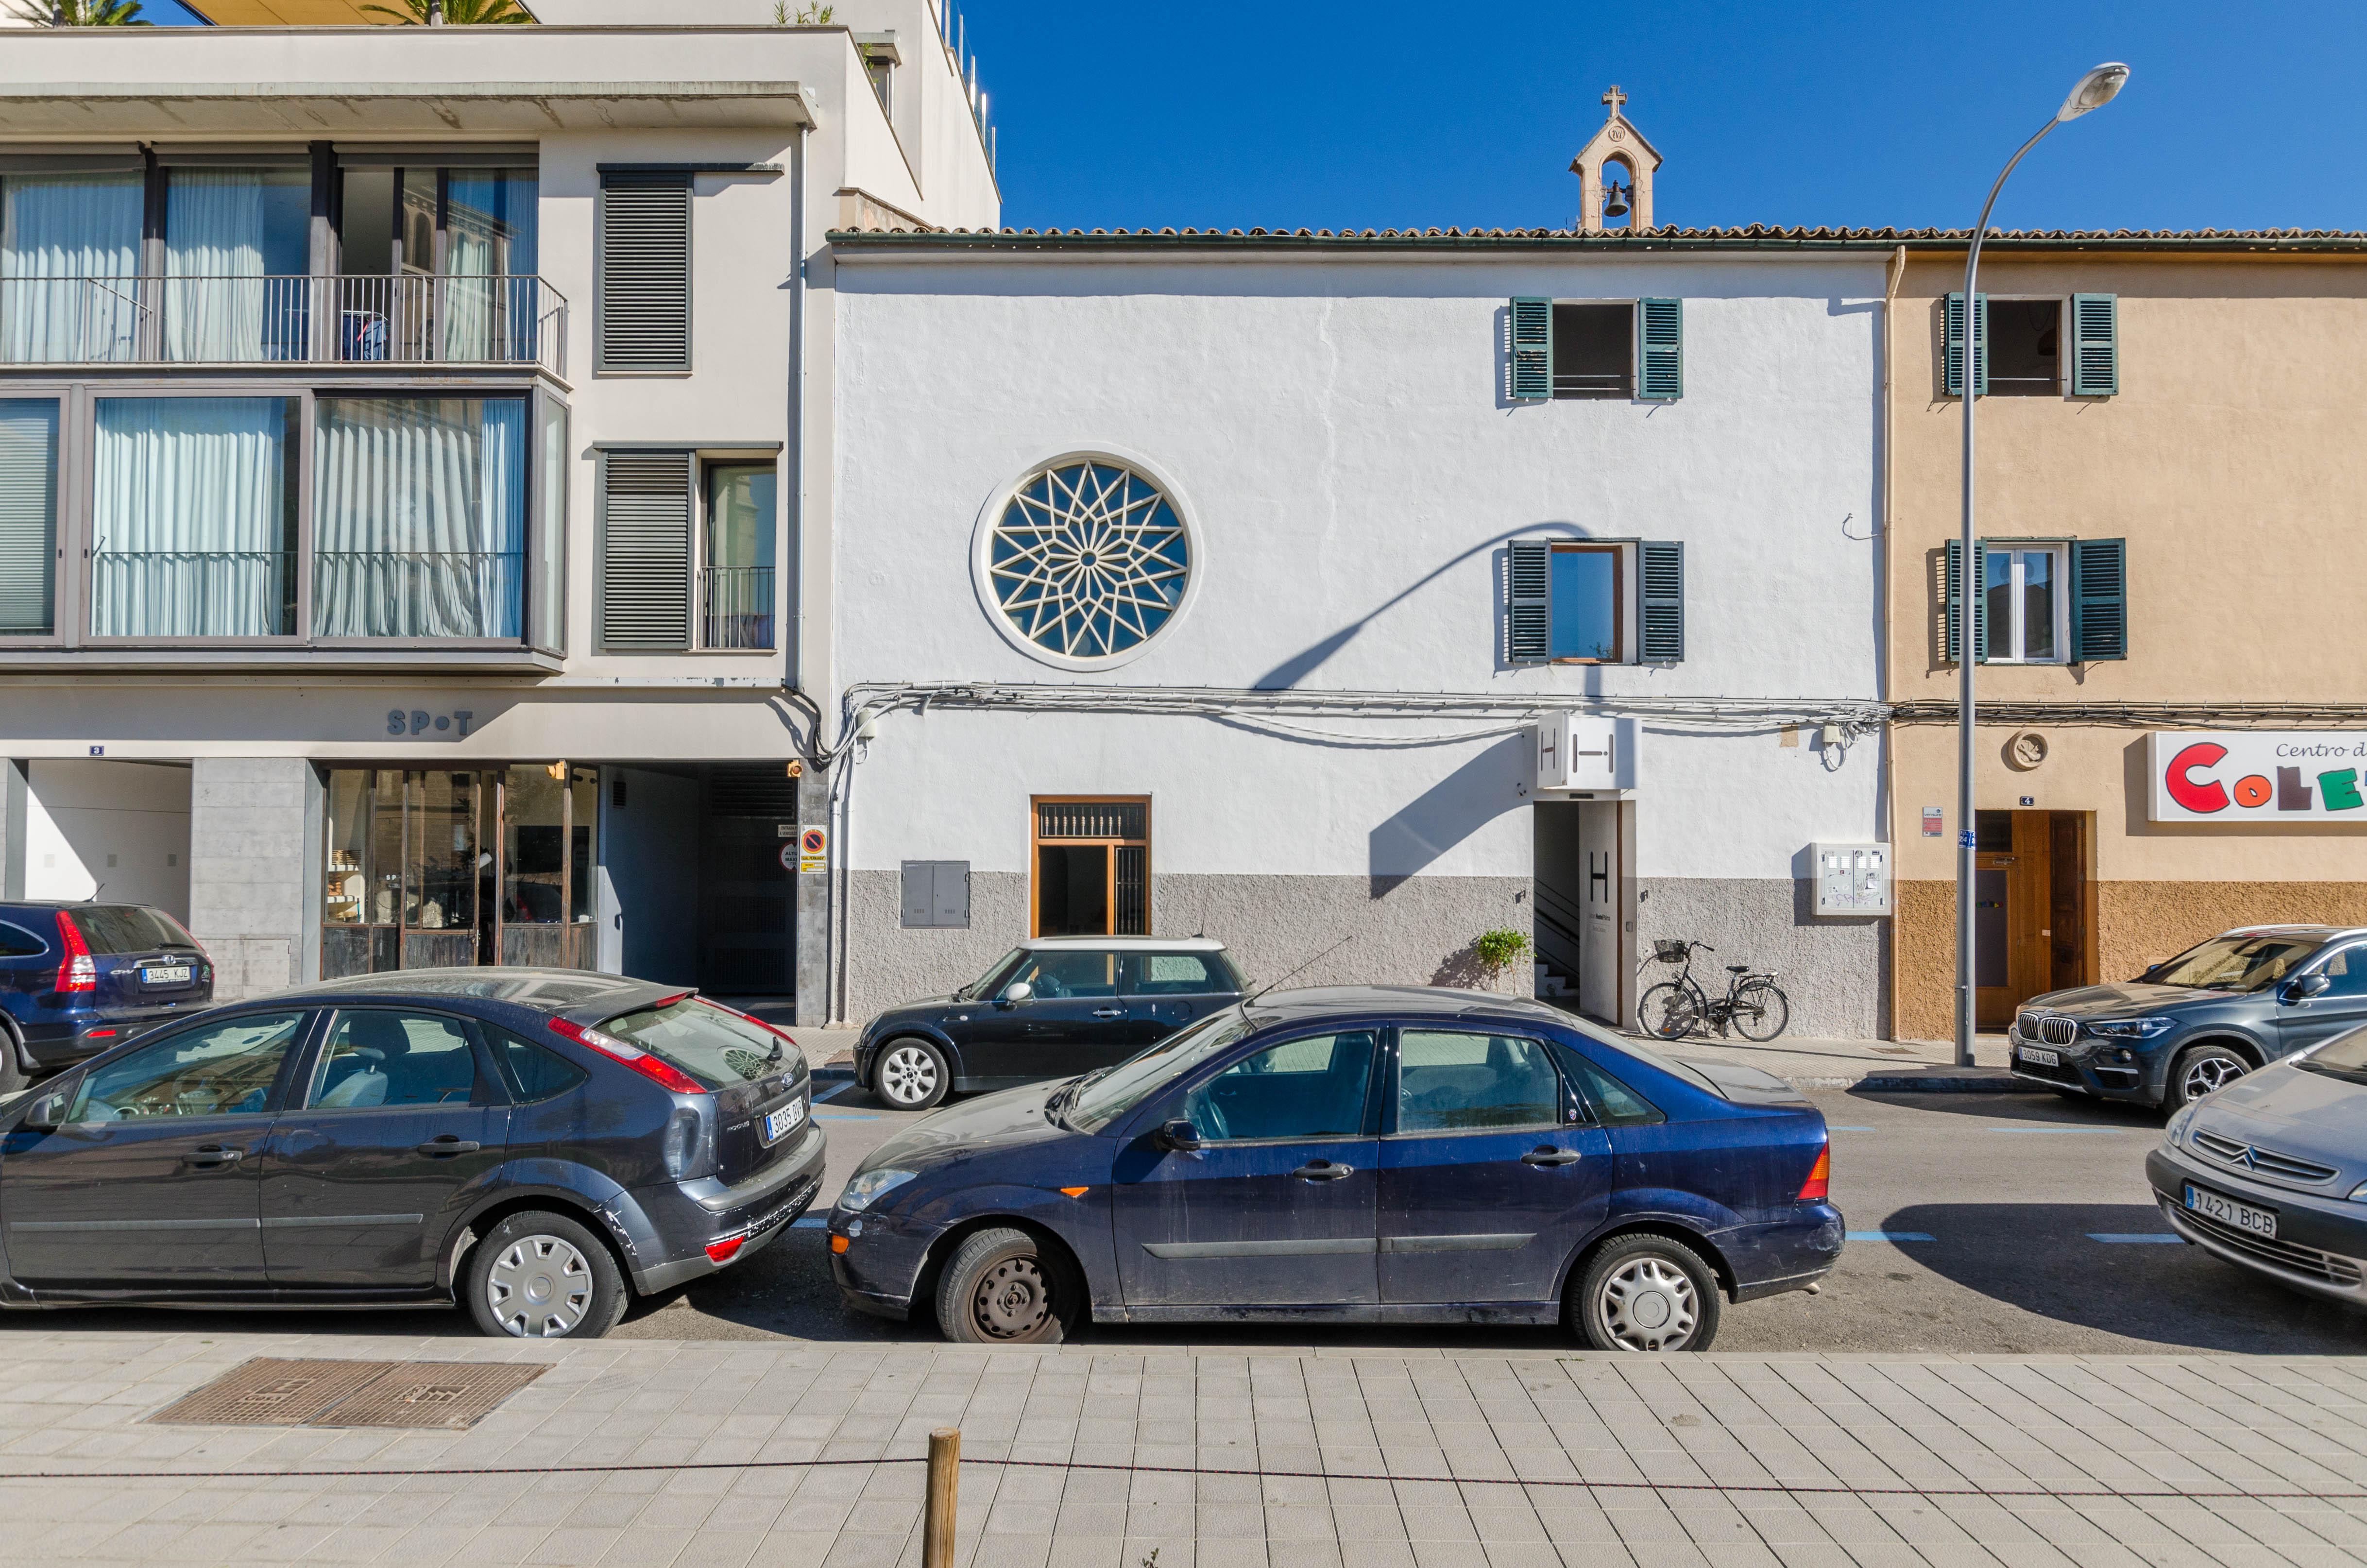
(2094, 90)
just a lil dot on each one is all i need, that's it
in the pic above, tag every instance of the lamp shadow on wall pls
(1286, 675)
(1452, 809)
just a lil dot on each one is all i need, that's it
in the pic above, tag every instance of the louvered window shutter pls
(2100, 600)
(2095, 344)
(1660, 364)
(1953, 591)
(1952, 356)
(645, 552)
(1528, 614)
(1661, 625)
(1532, 350)
(644, 272)
(29, 515)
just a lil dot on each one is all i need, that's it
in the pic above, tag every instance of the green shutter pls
(1661, 366)
(2100, 600)
(1952, 592)
(1532, 350)
(1661, 579)
(1953, 354)
(1528, 611)
(2095, 344)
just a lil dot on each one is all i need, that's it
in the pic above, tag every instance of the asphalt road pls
(2011, 1189)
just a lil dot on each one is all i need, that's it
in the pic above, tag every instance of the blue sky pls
(1379, 114)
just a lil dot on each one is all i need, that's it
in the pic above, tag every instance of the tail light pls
(80, 970)
(725, 1250)
(1820, 1177)
(664, 1073)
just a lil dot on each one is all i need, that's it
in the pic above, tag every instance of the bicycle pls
(1753, 1005)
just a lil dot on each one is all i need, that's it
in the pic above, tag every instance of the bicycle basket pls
(1666, 951)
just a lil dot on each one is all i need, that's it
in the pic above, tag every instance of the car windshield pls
(1102, 1100)
(985, 983)
(2235, 963)
(716, 1047)
(2344, 1056)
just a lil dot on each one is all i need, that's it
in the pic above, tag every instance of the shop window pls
(1092, 867)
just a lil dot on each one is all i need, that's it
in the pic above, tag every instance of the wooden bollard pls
(944, 1482)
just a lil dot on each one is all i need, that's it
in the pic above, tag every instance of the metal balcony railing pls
(374, 319)
(736, 607)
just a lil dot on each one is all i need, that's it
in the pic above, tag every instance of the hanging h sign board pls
(1586, 752)
(2257, 776)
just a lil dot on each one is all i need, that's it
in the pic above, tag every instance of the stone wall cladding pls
(1344, 930)
(248, 899)
(1834, 971)
(2138, 924)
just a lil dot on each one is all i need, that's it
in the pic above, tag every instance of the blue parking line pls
(1891, 1236)
(2137, 1238)
(834, 1091)
(811, 1222)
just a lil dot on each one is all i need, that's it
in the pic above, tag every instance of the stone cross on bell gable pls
(1617, 150)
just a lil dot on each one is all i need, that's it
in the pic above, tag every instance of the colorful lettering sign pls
(2257, 776)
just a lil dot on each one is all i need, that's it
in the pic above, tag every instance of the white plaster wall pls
(1336, 433)
(114, 831)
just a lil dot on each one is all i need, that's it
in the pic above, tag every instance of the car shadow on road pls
(2049, 1259)
(2033, 1107)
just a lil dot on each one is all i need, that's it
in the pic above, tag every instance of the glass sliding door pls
(419, 517)
(28, 515)
(194, 517)
(490, 311)
(736, 587)
(237, 246)
(70, 266)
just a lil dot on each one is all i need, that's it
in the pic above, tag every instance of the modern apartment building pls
(415, 485)
(2171, 458)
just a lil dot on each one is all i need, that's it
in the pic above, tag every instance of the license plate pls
(171, 974)
(784, 1120)
(2227, 1212)
(2038, 1058)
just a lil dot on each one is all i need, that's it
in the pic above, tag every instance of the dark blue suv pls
(76, 979)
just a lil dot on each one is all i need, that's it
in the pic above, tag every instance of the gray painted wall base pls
(251, 821)
(1833, 971)
(1333, 930)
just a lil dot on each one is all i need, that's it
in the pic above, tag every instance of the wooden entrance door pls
(2032, 909)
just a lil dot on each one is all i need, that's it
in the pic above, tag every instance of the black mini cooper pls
(1049, 1008)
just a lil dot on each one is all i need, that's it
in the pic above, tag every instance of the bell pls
(1615, 202)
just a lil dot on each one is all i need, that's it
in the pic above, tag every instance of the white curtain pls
(489, 310)
(69, 267)
(419, 517)
(234, 255)
(189, 518)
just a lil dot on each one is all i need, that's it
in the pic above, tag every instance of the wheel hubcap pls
(908, 1075)
(1012, 1300)
(1649, 1304)
(2210, 1073)
(539, 1287)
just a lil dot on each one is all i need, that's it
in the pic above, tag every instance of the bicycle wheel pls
(1669, 1011)
(1761, 1011)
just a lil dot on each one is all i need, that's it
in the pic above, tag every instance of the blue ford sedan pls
(1353, 1156)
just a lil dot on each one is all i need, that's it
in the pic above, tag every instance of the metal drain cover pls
(437, 1395)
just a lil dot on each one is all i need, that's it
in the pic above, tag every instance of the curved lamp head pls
(2096, 89)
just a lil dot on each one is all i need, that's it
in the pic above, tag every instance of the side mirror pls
(1177, 1137)
(48, 1113)
(2301, 988)
(1018, 990)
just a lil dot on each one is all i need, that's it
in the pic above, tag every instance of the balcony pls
(736, 607)
(284, 320)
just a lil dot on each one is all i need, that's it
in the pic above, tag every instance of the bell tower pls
(1614, 173)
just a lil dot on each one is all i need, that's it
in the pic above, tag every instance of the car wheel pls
(1647, 1293)
(543, 1275)
(2198, 1070)
(1000, 1287)
(910, 1075)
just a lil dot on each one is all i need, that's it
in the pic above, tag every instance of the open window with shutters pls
(1595, 602)
(2040, 601)
(2021, 346)
(1093, 866)
(643, 273)
(1584, 348)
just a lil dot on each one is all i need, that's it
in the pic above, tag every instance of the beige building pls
(2173, 717)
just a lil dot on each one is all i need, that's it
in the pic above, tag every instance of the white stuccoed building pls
(1222, 584)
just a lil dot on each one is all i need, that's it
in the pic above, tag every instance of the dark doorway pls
(2034, 912)
(747, 904)
(1092, 867)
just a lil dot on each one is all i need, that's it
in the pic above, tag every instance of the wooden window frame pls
(1035, 841)
(1618, 603)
